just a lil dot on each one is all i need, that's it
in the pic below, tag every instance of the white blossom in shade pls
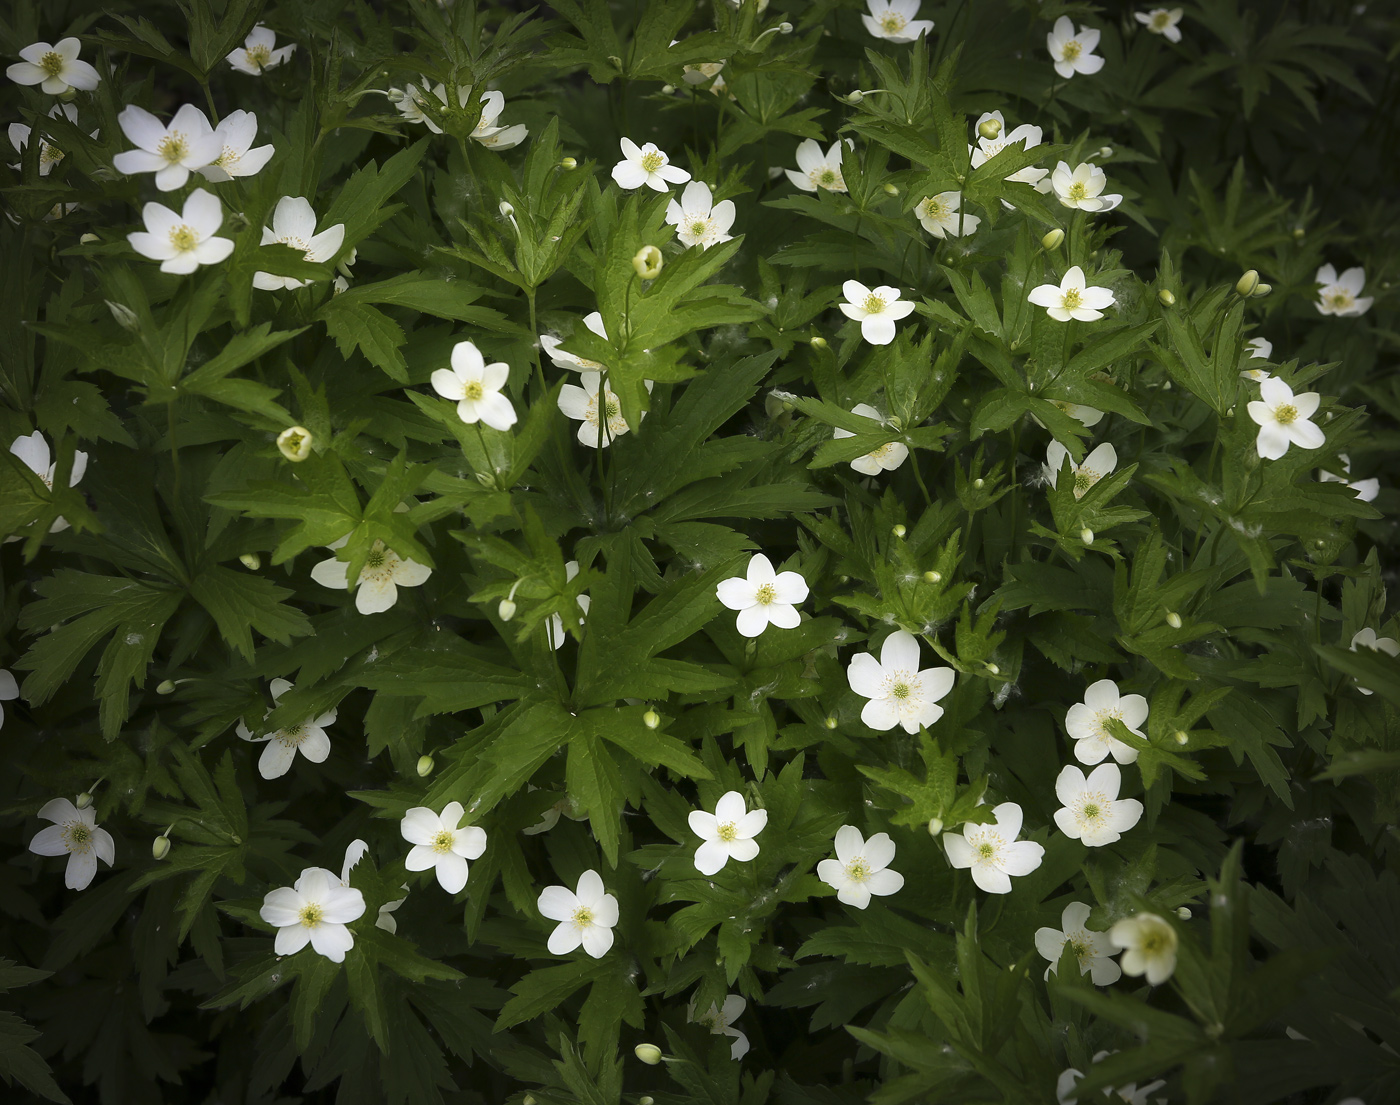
(9, 691)
(563, 359)
(1098, 464)
(1341, 295)
(550, 817)
(1085, 723)
(171, 152)
(49, 154)
(385, 920)
(586, 916)
(1082, 187)
(1093, 814)
(1149, 944)
(818, 170)
(1072, 298)
(762, 596)
(54, 67)
(861, 867)
(720, 1021)
(74, 833)
(899, 693)
(236, 133)
(1283, 419)
(941, 216)
(380, 579)
(1128, 1095)
(488, 134)
(281, 747)
(259, 52)
(877, 310)
(183, 241)
(583, 404)
(315, 910)
(1073, 53)
(992, 851)
(893, 20)
(886, 458)
(475, 387)
(727, 834)
(411, 98)
(1260, 349)
(554, 626)
(1161, 21)
(1366, 638)
(33, 450)
(294, 224)
(1366, 490)
(441, 843)
(1092, 949)
(698, 220)
(1088, 416)
(646, 165)
(1026, 135)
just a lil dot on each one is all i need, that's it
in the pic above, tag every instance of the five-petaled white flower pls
(595, 412)
(1072, 298)
(54, 67)
(184, 241)
(1366, 490)
(698, 220)
(171, 152)
(439, 843)
(259, 52)
(475, 387)
(1260, 349)
(308, 737)
(728, 833)
(942, 215)
(294, 224)
(236, 133)
(49, 154)
(1092, 949)
(720, 1021)
(74, 833)
(993, 852)
(1093, 813)
(1073, 53)
(899, 693)
(1082, 187)
(886, 458)
(1283, 419)
(9, 691)
(1026, 134)
(1098, 464)
(762, 596)
(1341, 295)
(380, 579)
(315, 910)
(1128, 1095)
(646, 165)
(563, 359)
(877, 310)
(861, 867)
(818, 170)
(893, 20)
(1366, 638)
(33, 450)
(1085, 723)
(586, 916)
(1161, 21)
(1149, 944)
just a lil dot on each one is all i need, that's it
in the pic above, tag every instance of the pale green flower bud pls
(785, 28)
(933, 577)
(667, 89)
(978, 484)
(651, 719)
(425, 766)
(890, 189)
(569, 164)
(830, 722)
(1105, 151)
(125, 316)
(1248, 283)
(989, 129)
(84, 800)
(1183, 913)
(899, 530)
(1086, 535)
(855, 97)
(1053, 239)
(1165, 298)
(250, 560)
(506, 610)
(935, 826)
(295, 443)
(649, 1054)
(160, 848)
(648, 262)
(1181, 736)
(165, 686)
(505, 209)
(818, 342)
(1261, 291)
(992, 669)
(88, 239)
(1173, 619)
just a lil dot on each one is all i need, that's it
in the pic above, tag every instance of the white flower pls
(1073, 53)
(33, 450)
(993, 852)
(554, 627)
(182, 242)
(1092, 949)
(720, 1021)
(1098, 464)
(1071, 298)
(49, 154)
(1026, 134)
(487, 134)
(1083, 187)
(410, 105)
(886, 458)
(1258, 349)
(236, 134)
(315, 910)
(1366, 490)
(410, 102)
(294, 224)
(1080, 413)
(818, 170)
(171, 152)
(586, 916)
(562, 359)
(309, 738)
(861, 867)
(876, 310)
(385, 920)
(74, 833)
(380, 579)
(1128, 1095)
(1093, 813)
(893, 20)
(1367, 638)
(899, 693)
(1341, 295)
(698, 220)
(763, 596)
(475, 387)
(1150, 944)
(728, 833)
(1283, 419)
(941, 215)
(1161, 21)
(1085, 723)
(55, 67)
(439, 843)
(260, 51)
(9, 691)
(647, 165)
(582, 405)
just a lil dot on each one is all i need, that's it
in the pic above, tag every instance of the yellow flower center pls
(258, 56)
(765, 594)
(827, 178)
(173, 147)
(900, 691)
(1071, 50)
(474, 391)
(49, 155)
(1340, 301)
(1103, 715)
(1082, 950)
(698, 227)
(611, 409)
(443, 841)
(228, 157)
(184, 238)
(293, 734)
(52, 63)
(892, 23)
(1078, 191)
(1091, 811)
(728, 832)
(311, 914)
(1161, 20)
(858, 870)
(1084, 478)
(1154, 943)
(1071, 298)
(583, 918)
(653, 161)
(77, 836)
(874, 303)
(986, 850)
(1285, 413)
(935, 209)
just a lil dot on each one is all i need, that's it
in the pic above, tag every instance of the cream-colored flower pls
(1082, 187)
(595, 407)
(171, 152)
(294, 224)
(259, 52)
(886, 458)
(1093, 814)
(475, 387)
(1098, 464)
(586, 916)
(877, 310)
(54, 67)
(942, 215)
(307, 737)
(74, 833)
(380, 579)
(992, 851)
(1073, 53)
(316, 910)
(1161, 21)
(1149, 944)
(818, 170)
(442, 843)
(726, 834)
(1072, 298)
(1284, 419)
(861, 867)
(1341, 295)
(1092, 949)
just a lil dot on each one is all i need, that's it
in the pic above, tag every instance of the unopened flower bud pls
(978, 484)
(992, 669)
(1165, 298)
(1181, 736)
(818, 342)
(890, 189)
(649, 1054)
(87, 239)
(830, 722)
(1105, 151)
(855, 97)
(1086, 535)
(935, 826)
(1261, 291)
(899, 530)
(651, 719)
(617, 61)
(933, 577)
(425, 766)
(506, 610)
(125, 316)
(295, 443)
(165, 686)
(1183, 913)
(84, 800)
(667, 89)
(250, 560)
(989, 128)
(394, 95)
(1247, 283)
(160, 848)
(1173, 619)
(569, 164)
(648, 262)
(528, 1099)
(505, 209)
(646, 1100)
(785, 28)
(1298, 232)
(1053, 239)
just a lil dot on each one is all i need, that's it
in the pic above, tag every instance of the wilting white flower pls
(294, 224)
(1366, 638)
(876, 310)
(818, 170)
(49, 154)
(886, 458)
(728, 833)
(33, 450)
(475, 387)
(861, 867)
(439, 843)
(992, 851)
(9, 691)
(1092, 949)
(1071, 298)
(698, 220)
(1283, 419)
(1098, 464)
(1128, 1095)
(182, 242)
(171, 152)
(562, 359)
(1161, 21)
(583, 405)
(380, 579)
(259, 52)
(763, 596)
(1082, 187)
(646, 165)
(720, 1021)
(411, 99)
(315, 910)
(54, 67)
(236, 133)
(1150, 946)
(899, 693)
(1341, 295)
(1027, 135)
(1073, 53)
(1258, 349)
(488, 134)
(586, 916)
(308, 737)
(1366, 490)
(554, 627)
(893, 20)
(1085, 723)
(941, 215)
(385, 920)
(74, 833)
(1093, 813)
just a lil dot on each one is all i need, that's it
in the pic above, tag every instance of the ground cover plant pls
(803, 552)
